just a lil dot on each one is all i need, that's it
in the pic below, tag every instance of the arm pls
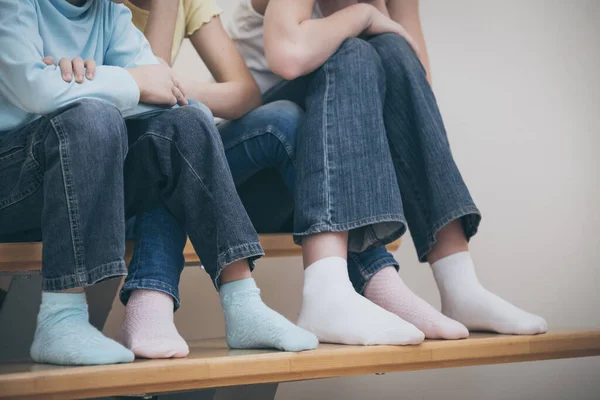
(129, 50)
(328, 7)
(235, 92)
(296, 44)
(406, 13)
(39, 89)
(161, 27)
(127, 47)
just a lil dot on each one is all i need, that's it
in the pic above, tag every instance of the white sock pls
(333, 311)
(467, 301)
(148, 328)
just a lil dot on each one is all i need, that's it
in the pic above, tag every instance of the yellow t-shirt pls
(191, 16)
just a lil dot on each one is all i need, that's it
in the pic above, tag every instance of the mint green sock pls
(251, 324)
(65, 336)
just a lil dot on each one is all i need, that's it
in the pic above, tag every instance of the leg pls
(151, 290)
(439, 208)
(261, 152)
(341, 138)
(77, 153)
(263, 139)
(375, 274)
(178, 158)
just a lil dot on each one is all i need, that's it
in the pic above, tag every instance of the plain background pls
(518, 83)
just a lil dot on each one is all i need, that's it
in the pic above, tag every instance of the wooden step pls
(27, 257)
(211, 364)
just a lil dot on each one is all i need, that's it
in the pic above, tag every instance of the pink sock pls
(387, 290)
(148, 329)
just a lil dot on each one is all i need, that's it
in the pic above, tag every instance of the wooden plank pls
(212, 364)
(27, 257)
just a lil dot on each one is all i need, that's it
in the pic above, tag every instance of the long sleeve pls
(128, 47)
(39, 89)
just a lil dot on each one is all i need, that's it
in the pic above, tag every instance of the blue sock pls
(65, 336)
(251, 324)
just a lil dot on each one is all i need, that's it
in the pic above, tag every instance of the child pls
(151, 291)
(71, 166)
(372, 139)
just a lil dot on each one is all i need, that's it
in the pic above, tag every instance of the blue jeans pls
(261, 152)
(76, 174)
(373, 133)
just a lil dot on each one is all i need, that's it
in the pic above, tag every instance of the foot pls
(148, 328)
(387, 290)
(333, 310)
(466, 300)
(64, 335)
(250, 324)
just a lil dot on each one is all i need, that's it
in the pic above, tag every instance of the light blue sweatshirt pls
(33, 29)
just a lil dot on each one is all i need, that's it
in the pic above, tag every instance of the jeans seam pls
(250, 251)
(326, 105)
(288, 148)
(86, 278)
(150, 284)
(374, 268)
(72, 206)
(193, 171)
(331, 227)
(140, 242)
(364, 221)
(32, 188)
(269, 129)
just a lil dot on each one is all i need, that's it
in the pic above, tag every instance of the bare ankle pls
(236, 271)
(322, 245)
(450, 240)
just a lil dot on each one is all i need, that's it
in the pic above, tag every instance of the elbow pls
(289, 61)
(40, 104)
(251, 99)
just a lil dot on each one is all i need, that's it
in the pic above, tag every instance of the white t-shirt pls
(245, 26)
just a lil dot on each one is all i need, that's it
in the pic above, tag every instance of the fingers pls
(78, 69)
(179, 85)
(49, 60)
(181, 100)
(90, 68)
(66, 68)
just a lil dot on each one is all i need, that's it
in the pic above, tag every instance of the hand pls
(75, 66)
(382, 24)
(158, 85)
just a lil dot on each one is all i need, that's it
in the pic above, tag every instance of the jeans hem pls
(470, 230)
(86, 278)
(321, 227)
(149, 284)
(367, 273)
(249, 251)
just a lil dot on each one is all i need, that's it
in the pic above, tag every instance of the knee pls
(283, 118)
(356, 60)
(396, 54)
(191, 128)
(93, 127)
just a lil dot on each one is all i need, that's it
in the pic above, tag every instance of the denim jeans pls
(263, 144)
(261, 151)
(263, 140)
(76, 174)
(368, 94)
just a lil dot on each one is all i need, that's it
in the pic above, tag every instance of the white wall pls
(518, 83)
